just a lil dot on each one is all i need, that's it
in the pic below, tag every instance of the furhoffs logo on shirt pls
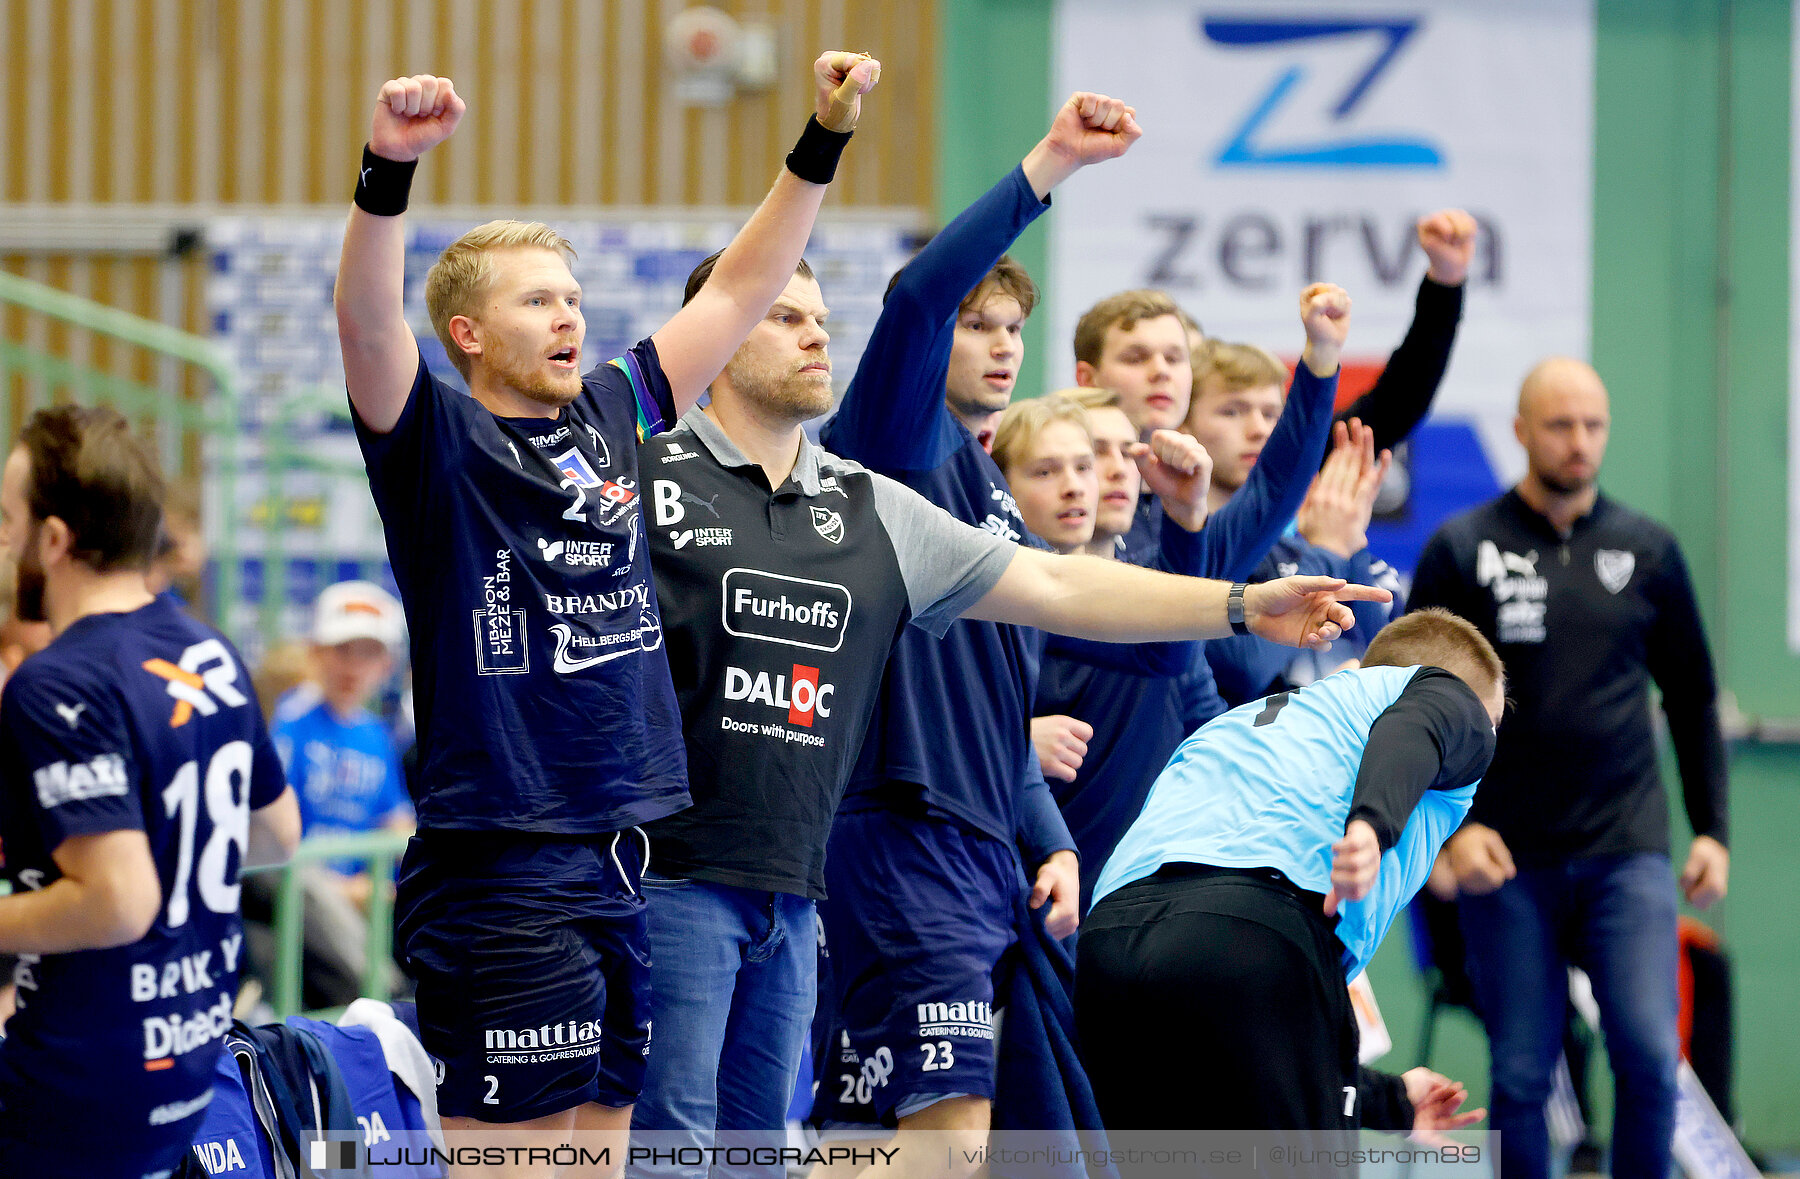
(794, 611)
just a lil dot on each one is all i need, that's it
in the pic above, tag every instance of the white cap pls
(357, 610)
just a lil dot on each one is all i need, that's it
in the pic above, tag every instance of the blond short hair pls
(1239, 366)
(463, 275)
(1090, 397)
(1434, 637)
(1124, 311)
(1025, 420)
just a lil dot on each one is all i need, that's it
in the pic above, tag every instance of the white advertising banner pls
(1288, 142)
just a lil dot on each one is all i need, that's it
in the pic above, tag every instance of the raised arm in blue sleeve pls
(893, 416)
(1239, 534)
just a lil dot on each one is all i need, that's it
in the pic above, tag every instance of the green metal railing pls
(382, 850)
(216, 417)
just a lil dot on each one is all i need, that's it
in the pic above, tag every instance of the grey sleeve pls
(948, 566)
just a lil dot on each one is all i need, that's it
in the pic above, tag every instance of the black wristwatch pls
(1234, 609)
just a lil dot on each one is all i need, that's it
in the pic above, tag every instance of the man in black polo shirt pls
(784, 575)
(1565, 856)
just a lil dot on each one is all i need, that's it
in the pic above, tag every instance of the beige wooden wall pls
(267, 101)
(151, 104)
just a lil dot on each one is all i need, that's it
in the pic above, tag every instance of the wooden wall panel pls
(266, 101)
(202, 104)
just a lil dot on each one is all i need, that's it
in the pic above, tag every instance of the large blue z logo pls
(1245, 150)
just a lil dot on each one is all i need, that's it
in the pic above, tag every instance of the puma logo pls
(688, 497)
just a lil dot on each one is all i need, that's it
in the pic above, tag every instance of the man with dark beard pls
(136, 780)
(784, 576)
(1565, 855)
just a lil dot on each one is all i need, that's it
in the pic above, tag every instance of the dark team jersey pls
(954, 714)
(540, 683)
(1584, 623)
(780, 607)
(139, 721)
(951, 724)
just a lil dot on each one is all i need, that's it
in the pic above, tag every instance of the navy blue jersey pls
(144, 721)
(540, 683)
(953, 718)
(952, 721)
(1585, 622)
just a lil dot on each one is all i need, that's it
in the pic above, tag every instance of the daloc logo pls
(1248, 146)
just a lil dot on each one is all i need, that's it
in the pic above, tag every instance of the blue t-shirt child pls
(345, 773)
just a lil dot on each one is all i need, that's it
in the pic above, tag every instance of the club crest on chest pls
(1614, 567)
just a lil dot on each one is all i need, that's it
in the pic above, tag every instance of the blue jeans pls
(733, 980)
(1613, 916)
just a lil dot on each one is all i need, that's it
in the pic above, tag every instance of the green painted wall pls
(1690, 329)
(995, 78)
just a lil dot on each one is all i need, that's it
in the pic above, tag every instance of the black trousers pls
(1214, 999)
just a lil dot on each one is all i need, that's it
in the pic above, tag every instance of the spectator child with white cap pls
(340, 757)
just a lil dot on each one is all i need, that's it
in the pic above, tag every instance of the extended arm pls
(1115, 602)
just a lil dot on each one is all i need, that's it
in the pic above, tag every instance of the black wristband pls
(815, 156)
(383, 184)
(1234, 609)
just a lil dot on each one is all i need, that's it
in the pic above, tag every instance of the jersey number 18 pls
(227, 826)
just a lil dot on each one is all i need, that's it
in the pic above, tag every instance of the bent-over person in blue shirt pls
(1273, 853)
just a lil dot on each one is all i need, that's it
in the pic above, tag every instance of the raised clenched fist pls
(414, 115)
(1092, 127)
(1178, 470)
(842, 79)
(1448, 239)
(1325, 314)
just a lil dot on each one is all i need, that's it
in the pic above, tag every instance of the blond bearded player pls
(548, 728)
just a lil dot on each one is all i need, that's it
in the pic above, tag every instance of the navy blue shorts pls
(918, 918)
(532, 959)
